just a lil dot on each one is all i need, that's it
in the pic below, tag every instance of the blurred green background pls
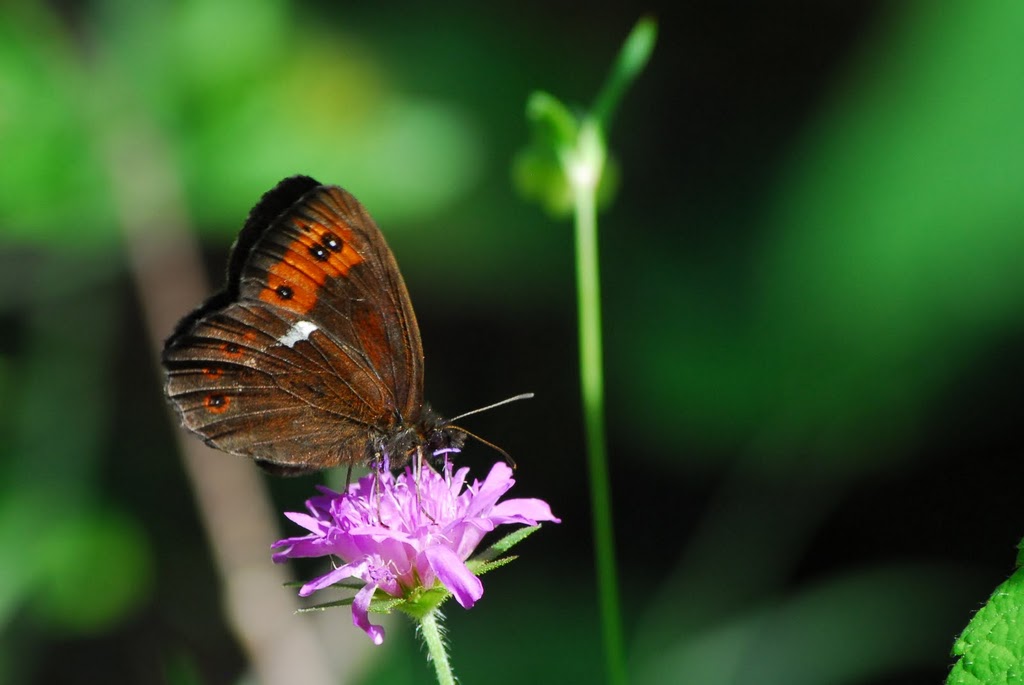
(814, 310)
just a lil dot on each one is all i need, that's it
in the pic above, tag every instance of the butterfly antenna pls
(505, 455)
(524, 396)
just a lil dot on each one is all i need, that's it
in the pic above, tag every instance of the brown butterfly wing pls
(313, 349)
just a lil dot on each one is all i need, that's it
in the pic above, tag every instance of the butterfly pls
(311, 356)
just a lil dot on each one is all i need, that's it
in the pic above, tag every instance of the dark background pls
(812, 310)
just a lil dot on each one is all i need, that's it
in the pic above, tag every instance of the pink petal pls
(458, 480)
(497, 483)
(525, 510)
(361, 613)
(464, 536)
(454, 575)
(338, 574)
(308, 546)
(313, 525)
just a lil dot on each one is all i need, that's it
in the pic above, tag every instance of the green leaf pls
(45, 136)
(481, 567)
(506, 543)
(632, 58)
(991, 648)
(346, 584)
(326, 605)
(891, 214)
(92, 570)
(381, 604)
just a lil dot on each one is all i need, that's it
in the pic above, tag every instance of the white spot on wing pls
(300, 330)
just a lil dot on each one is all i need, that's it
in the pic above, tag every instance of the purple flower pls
(403, 537)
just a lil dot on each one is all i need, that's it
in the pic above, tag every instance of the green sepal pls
(552, 124)
(991, 648)
(537, 170)
(540, 170)
(383, 603)
(538, 177)
(422, 601)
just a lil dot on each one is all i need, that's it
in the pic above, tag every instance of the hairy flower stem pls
(584, 168)
(430, 630)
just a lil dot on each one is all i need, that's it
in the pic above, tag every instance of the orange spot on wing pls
(302, 274)
(234, 349)
(349, 257)
(302, 298)
(217, 403)
(213, 372)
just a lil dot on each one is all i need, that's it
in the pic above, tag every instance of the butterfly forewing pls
(327, 262)
(312, 347)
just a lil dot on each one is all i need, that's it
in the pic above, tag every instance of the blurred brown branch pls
(232, 500)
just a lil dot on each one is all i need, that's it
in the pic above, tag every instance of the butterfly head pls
(431, 436)
(443, 439)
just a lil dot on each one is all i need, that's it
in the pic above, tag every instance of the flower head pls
(401, 536)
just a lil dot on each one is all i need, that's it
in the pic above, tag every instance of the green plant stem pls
(430, 629)
(584, 170)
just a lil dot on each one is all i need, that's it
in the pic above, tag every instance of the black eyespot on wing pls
(319, 252)
(332, 242)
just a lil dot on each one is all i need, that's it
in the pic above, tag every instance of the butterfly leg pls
(417, 466)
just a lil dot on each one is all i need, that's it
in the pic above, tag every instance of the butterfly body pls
(311, 356)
